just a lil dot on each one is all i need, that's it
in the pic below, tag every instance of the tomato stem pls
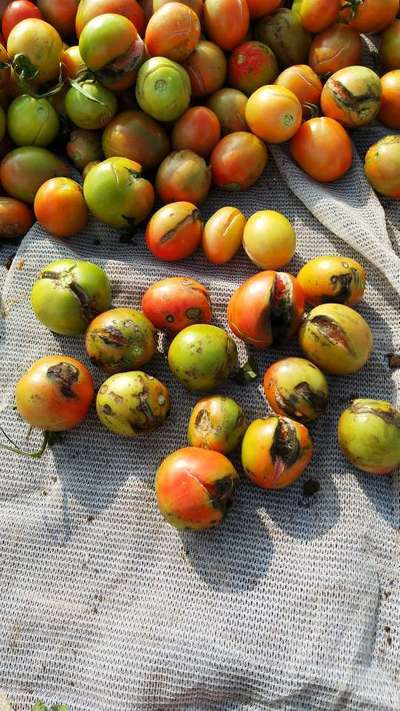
(47, 438)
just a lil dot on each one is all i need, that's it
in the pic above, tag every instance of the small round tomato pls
(285, 35)
(275, 452)
(304, 83)
(389, 112)
(223, 234)
(163, 89)
(317, 15)
(323, 149)
(195, 487)
(69, 294)
(261, 8)
(117, 194)
(32, 122)
(55, 393)
(389, 50)
(35, 49)
(226, 22)
(61, 14)
(60, 207)
(217, 423)
(269, 239)
(120, 339)
(229, 105)
(72, 63)
(336, 48)
(382, 166)
(177, 302)
(15, 218)
(88, 9)
(369, 15)
(174, 231)
(90, 105)
(251, 65)
(83, 147)
(17, 11)
(238, 160)
(332, 280)
(283, 109)
(198, 130)
(23, 171)
(296, 388)
(352, 96)
(183, 176)
(206, 67)
(173, 31)
(134, 135)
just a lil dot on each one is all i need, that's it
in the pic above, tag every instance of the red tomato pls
(174, 232)
(17, 11)
(176, 303)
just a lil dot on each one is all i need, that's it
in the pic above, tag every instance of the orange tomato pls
(173, 32)
(337, 47)
(317, 15)
(15, 218)
(260, 8)
(389, 112)
(323, 149)
(223, 234)
(226, 22)
(382, 166)
(274, 113)
(60, 207)
(370, 15)
(238, 160)
(174, 231)
(305, 83)
(206, 67)
(198, 130)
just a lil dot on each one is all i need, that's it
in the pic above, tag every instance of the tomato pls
(5, 71)
(89, 167)
(337, 47)
(134, 135)
(55, 393)
(17, 11)
(323, 149)
(90, 105)
(183, 176)
(88, 9)
(369, 15)
(285, 35)
(352, 96)
(297, 388)
(389, 50)
(382, 166)
(195, 5)
(35, 48)
(304, 83)
(83, 147)
(317, 15)
(72, 63)
(269, 239)
(217, 423)
(261, 8)
(61, 14)
(163, 89)
(206, 67)
(252, 65)
(15, 218)
(32, 122)
(389, 112)
(173, 31)
(283, 109)
(117, 194)
(60, 207)
(238, 160)
(223, 234)
(120, 339)
(198, 130)
(229, 105)
(332, 280)
(177, 302)
(226, 22)
(23, 171)
(174, 231)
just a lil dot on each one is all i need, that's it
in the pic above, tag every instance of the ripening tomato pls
(323, 149)
(61, 14)
(198, 130)
(389, 112)
(337, 47)
(382, 166)
(226, 22)
(17, 11)
(35, 46)
(183, 176)
(60, 207)
(137, 136)
(389, 50)
(238, 160)
(72, 62)
(305, 83)
(261, 8)
(280, 107)
(229, 105)
(173, 31)
(55, 393)
(177, 302)
(15, 218)
(206, 67)
(352, 96)
(223, 234)
(317, 15)
(252, 65)
(87, 9)
(174, 231)
(369, 15)
(23, 171)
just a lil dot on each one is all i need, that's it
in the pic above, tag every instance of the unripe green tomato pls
(202, 356)
(163, 89)
(296, 388)
(69, 294)
(90, 105)
(369, 436)
(133, 403)
(3, 123)
(32, 122)
(216, 423)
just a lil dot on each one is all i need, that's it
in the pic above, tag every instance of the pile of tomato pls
(162, 100)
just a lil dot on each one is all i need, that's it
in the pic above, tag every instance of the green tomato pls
(25, 169)
(163, 89)
(32, 122)
(69, 294)
(90, 105)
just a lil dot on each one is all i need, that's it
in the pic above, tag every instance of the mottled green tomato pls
(68, 294)
(163, 89)
(369, 436)
(120, 339)
(25, 169)
(296, 388)
(117, 194)
(133, 403)
(90, 105)
(202, 356)
(217, 423)
(285, 35)
(32, 122)
(336, 338)
(332, 279)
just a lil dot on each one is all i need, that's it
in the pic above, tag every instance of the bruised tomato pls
(25, 169)
(382, 166)
(297, 388)
(72, 62)
(238, 160)
(174, 231)
(389, 112)
(198, 130)
(177, 302)
(389, 50)
(329, 279)
(229, 105)
(17, 11)
(15, 218)
(223, 234)
(173, 31)
(55, 393)
(317, 15)
(87, 9)
(282, 108)
(206, 67)
(323, 149)
(260, 8)
(35, 48)
(352, 96)
(61, 14)
(226, 22)
(304, 83)
(183, 175)
(251, 65)
(137, 136)
(369, 15)
(60, 207)
(337, 47)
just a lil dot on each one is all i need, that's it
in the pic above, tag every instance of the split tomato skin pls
(352, 96)
(60, 207)
(223, 235)
(304, 83)
(174, 232)
(336, 48)
(389, 50)
(332, 279)
(177, 302)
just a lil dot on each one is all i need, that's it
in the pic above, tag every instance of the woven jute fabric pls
(293, 603)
